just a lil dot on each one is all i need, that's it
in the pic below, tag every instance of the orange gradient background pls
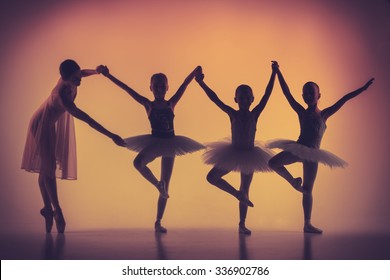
(338, 44)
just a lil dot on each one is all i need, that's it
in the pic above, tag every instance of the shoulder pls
(64, 88)
(161, 104)
(233, 114)
(67, 93)
(301, 111)
(324, 114)
(169, 105)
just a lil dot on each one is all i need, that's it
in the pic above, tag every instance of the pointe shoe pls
(311, 229)
(244, 199)
(60, 221)
(244, 230)
(159, 228)
(161, 186)
(47, 213)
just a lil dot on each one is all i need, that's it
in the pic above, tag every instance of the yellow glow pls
(234, 41)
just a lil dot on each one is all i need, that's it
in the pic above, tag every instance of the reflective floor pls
(199, 244)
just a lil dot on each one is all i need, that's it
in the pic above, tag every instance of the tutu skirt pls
(224, 155)
(308, 154)
(154, 147)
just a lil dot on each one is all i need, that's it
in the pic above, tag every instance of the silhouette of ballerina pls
(162, 142)
(51, 140)
(307, 148)
(240, 153)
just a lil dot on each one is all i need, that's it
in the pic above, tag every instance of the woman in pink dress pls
(50, 148)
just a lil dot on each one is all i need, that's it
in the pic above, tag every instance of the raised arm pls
(260, 107)
(81, 115)
(139, 98)
(286, 91)
(335, 107)
(88, 72)
(212, 95)
(179, 93)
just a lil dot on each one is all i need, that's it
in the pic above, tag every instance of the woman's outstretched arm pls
(81, 115)
(88, 72)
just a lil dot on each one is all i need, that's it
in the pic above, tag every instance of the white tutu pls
(156, 147)
(224, 155)
(306, 153)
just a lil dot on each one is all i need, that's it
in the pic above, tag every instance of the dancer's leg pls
(47, 210)
(278, 162)
(214, 177)
(51, 187)
(166, 173)
(44, 194)
(309, 175)
(246, 180)
(47, 182)
(140, 163)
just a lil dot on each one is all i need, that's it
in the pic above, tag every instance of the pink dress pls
(50, 147)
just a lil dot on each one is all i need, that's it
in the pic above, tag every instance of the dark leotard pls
(243, 127)
(312, 129)
(161, 121)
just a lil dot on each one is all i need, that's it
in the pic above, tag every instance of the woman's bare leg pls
(47, 210)
(44, 194)
(48, 185)
(51, 188)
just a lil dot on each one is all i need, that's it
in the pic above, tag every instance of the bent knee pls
(212, 178)
(273, 163)
(138, 163)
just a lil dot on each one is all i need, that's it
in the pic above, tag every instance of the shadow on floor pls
(199, 244)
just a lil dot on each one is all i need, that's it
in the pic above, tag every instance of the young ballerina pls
(51, 140)
(162, 142)
(307, 148)
(240, 154)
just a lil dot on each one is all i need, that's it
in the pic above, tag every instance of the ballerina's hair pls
(159, 76)
(308, 85)
(68, 67)
(244, 89)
